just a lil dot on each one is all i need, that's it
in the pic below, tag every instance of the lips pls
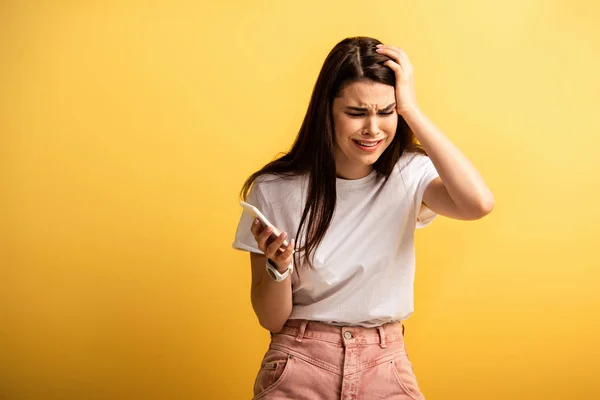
(368, 145)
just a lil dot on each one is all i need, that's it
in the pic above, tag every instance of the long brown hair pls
(351, 60)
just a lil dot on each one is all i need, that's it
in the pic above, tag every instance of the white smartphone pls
(255, 213)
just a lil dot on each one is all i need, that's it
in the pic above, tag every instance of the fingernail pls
(283, 234)
(379, 45)
(293, 242)
(256, 222)
(268, 229)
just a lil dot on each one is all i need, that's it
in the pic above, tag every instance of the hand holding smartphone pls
(255, 213)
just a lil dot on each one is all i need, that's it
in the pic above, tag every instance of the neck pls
(351, 172)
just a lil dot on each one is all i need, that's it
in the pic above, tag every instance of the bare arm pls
(271, 300)
(460, 192)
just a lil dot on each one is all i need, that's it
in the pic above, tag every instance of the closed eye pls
(362, 114)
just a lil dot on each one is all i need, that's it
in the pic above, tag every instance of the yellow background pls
(127, 129)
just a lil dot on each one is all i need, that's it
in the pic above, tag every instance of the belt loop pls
(301, 331)
(381, 337)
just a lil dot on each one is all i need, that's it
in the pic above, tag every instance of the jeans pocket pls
(274, 368)
(405, 376)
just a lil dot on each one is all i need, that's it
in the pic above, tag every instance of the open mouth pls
(367, 146)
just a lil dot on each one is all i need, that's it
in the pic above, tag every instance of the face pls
(365, 120)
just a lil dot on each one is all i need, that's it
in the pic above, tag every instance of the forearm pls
(272, 302)
(464, 183)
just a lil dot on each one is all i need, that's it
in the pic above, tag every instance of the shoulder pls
(277, 187)
(412, 162)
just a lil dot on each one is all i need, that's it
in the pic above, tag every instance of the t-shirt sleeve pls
(425, 172)
(244, 239)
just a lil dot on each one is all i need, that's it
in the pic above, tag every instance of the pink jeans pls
(310, 360)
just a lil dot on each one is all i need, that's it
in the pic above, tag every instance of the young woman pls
(351, 191)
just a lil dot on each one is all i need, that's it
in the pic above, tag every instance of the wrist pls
(276, 274)
(278, 266)
(410, 111)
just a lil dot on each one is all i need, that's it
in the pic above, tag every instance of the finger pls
(285, 258)
(403, 57)
(395, 60)
(256, 228)
(398, 55)
(393, 48)
(390, 51)
(275, 245)
(398, 50)
(394, 66)
(263, 237)
(287, 254)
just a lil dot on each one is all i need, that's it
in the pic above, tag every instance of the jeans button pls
(348, 335)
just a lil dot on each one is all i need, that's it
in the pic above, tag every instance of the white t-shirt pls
(365, 265)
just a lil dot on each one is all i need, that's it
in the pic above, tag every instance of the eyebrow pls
(362, 109)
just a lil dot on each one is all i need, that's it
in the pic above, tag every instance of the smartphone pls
(255, 213)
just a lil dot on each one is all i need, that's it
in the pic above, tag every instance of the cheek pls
(390, 125)
(346, 127)
(390, 129)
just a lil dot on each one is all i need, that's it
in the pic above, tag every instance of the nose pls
(372, 127)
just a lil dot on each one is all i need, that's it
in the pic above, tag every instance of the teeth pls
(367, 144)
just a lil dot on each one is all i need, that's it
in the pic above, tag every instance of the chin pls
(367, 161)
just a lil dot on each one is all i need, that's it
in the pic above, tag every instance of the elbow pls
(487, 205)
(484, 207)
(272, 326)
(274, 320)
(272, 312)
(273, 323)
(271, 319)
